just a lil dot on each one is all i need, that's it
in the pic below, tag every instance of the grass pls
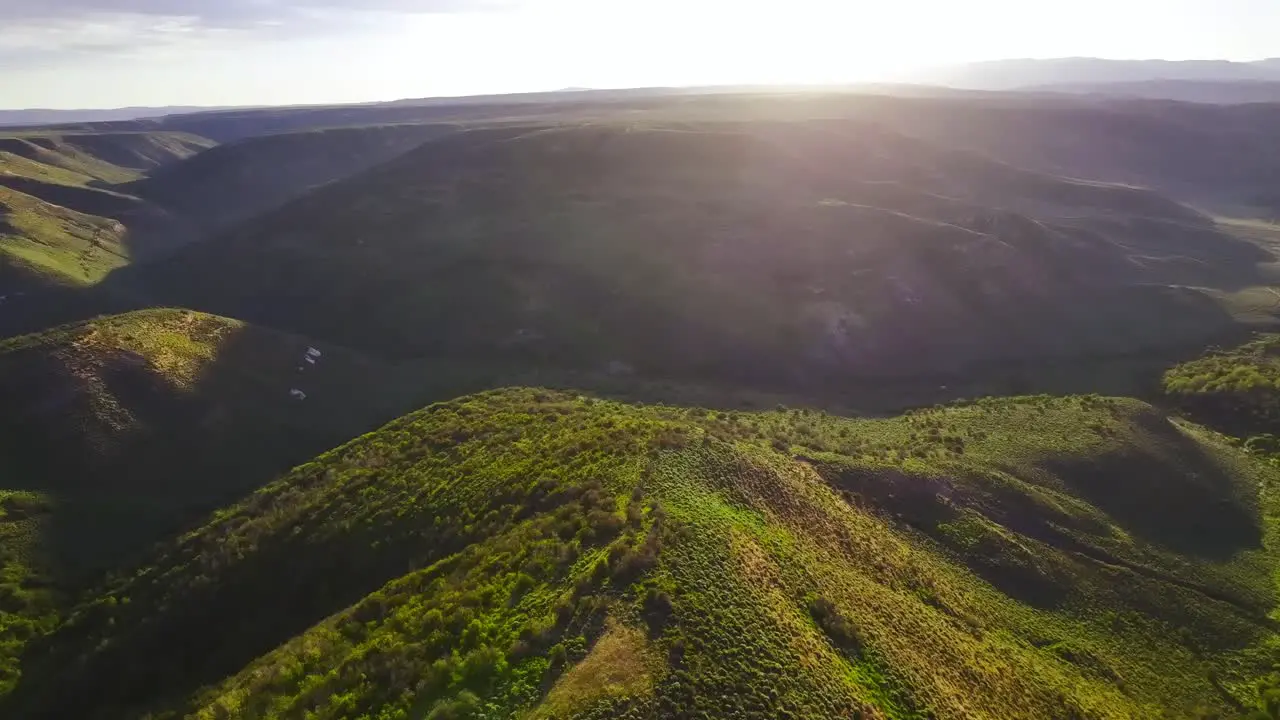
(1237, 388)
(112, 158)
(59, 226)
(531, 553)
(58, 245)
(18, 166)
(617, 671)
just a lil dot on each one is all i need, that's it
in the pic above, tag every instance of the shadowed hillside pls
(531, 552)
(170, 402)
(236, 181)
(119, 431)
(765, 252)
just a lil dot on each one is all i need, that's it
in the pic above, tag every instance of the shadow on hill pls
(1173, 493)
(33, 307)
(130, 457)
(80, 199)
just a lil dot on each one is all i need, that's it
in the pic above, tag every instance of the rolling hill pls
(525, 553)
(200, 516)
(117, 432)
(768, 252)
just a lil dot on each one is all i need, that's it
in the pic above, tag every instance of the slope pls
(43, 244)
(766, 252)
(524, 553)
(236, 181)
(1237, 389)
(170, 402)
(111, 158)
(65, 221)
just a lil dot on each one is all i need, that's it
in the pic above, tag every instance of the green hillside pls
(46, 244)
(111, 158)
(526, 553)
(62, 224)
(1237, 388)
(783, 253)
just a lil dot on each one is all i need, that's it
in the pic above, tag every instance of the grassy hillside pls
(44, 244)
(525, 553)
(111, 158)
(765, 252)
(236, 181)
(1237, 388)
(64, 222)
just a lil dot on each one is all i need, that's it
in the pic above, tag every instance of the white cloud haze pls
(97, 53)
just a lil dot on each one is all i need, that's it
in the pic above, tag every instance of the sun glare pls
(803, 41)
(671, 42)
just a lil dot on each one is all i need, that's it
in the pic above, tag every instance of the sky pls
(115, 53)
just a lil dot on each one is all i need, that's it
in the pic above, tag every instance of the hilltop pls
(537, 554)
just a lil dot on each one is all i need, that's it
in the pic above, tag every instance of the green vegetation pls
(59, 226)
(12, 165)
(1238, 389)
(533, 553)
(112, 158)
(179, 537)
(44, 243)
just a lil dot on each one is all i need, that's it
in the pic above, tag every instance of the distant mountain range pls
(41, 116)
(1027, 73)
(1201, 91)
(1213, 81)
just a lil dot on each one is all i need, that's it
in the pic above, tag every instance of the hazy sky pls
(109, 53)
